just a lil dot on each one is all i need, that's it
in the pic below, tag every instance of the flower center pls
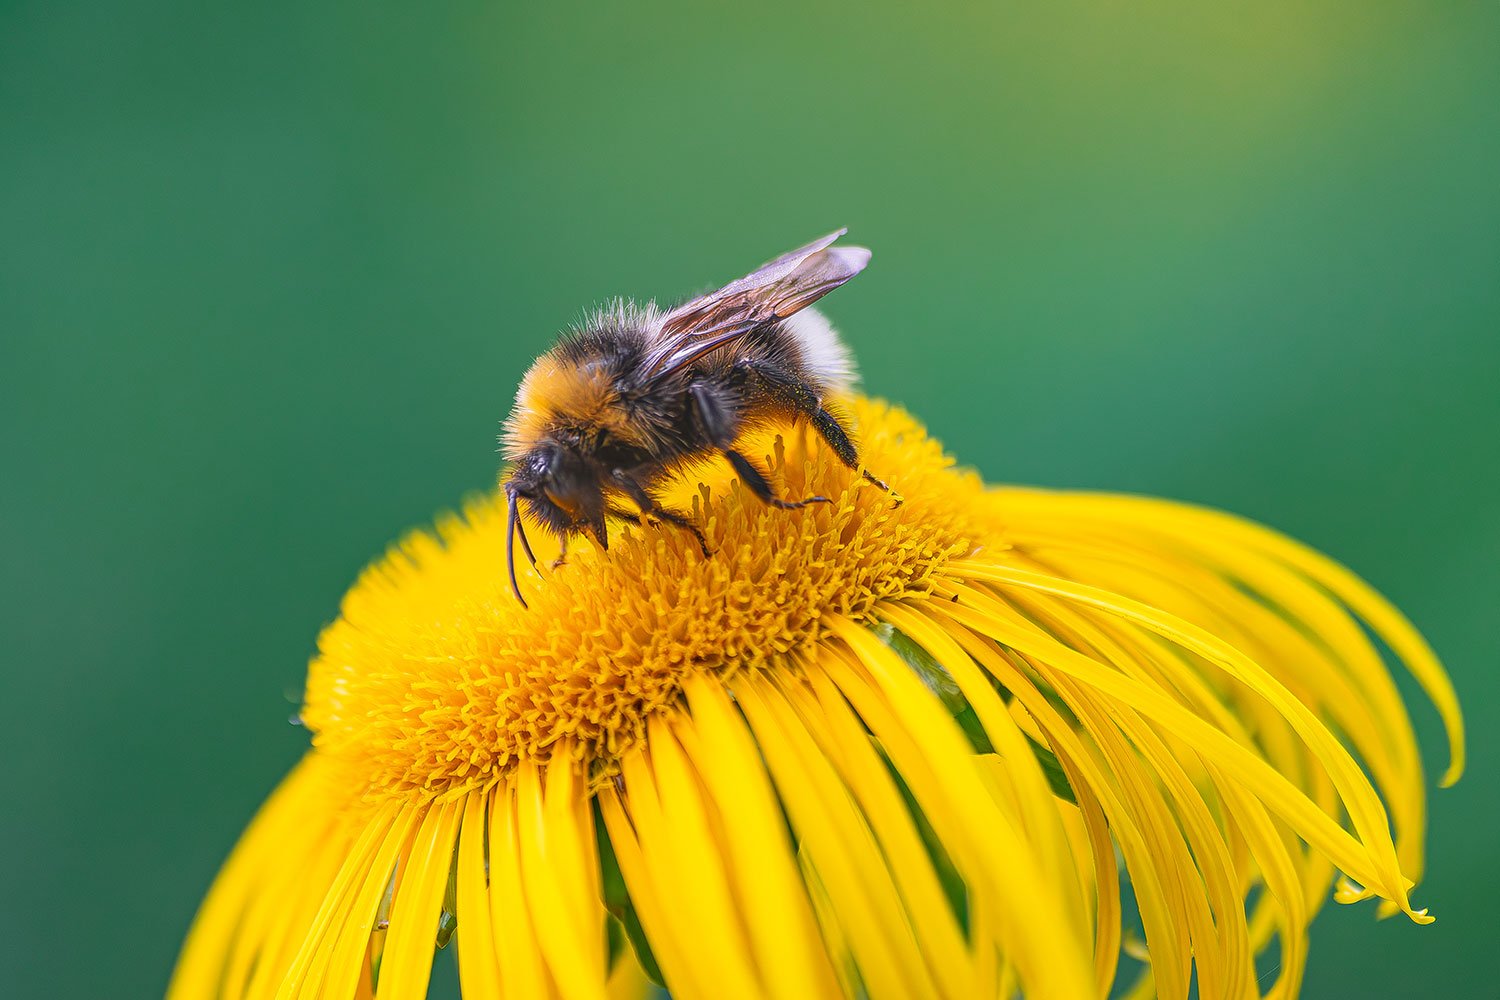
(435, 679)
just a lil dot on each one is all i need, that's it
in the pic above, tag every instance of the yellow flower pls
(862, 749)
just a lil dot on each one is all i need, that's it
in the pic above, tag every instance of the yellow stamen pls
(434, 678)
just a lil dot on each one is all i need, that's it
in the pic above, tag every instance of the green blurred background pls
(270, 275)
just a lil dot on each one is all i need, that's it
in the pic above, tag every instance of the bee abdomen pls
(825, 362)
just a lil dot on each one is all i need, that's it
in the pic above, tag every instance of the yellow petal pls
(415, 907)
(839, 845)
(784, 936)
(478, 963)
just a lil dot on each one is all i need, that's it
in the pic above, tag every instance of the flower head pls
(859, 749)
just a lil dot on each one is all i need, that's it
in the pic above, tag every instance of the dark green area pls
(940, 681)
(269, 274)
(624, 927)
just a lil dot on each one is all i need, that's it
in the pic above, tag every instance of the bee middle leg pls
(650, 508)
(719, 431)
(761, 487)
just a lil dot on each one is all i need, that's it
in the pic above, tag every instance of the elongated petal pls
(862, 749)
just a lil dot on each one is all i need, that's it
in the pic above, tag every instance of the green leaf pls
(932, 673)
(448, 919)
(1053, 769)
(941, 683)
(626, 925)
(952, 882)
(614, 934)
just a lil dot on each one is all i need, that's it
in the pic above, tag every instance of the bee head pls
(562, 489)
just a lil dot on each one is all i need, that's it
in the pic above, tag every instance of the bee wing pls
(775, 290)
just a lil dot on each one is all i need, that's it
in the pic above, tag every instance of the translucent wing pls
(773, 291)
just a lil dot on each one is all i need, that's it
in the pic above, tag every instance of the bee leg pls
(718, 429)
(717, 425)
(761, 487)
(650, 508)
(833, 432)
(806, 402)
(882, 486)
(682, 521)
(624, 515)
(838, 439)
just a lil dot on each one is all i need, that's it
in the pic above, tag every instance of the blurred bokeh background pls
(269, 274)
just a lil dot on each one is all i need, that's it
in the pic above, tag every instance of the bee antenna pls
(525, 542)
(514, 523)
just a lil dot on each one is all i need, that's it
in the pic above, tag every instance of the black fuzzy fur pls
(686, 415)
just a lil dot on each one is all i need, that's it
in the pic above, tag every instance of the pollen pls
(435, 680)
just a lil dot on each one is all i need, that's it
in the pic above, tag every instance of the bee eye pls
(549, 463)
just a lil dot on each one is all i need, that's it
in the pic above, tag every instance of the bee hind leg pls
(806, 402)
(833, 432)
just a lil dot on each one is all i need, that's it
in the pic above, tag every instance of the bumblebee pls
(606, 416)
